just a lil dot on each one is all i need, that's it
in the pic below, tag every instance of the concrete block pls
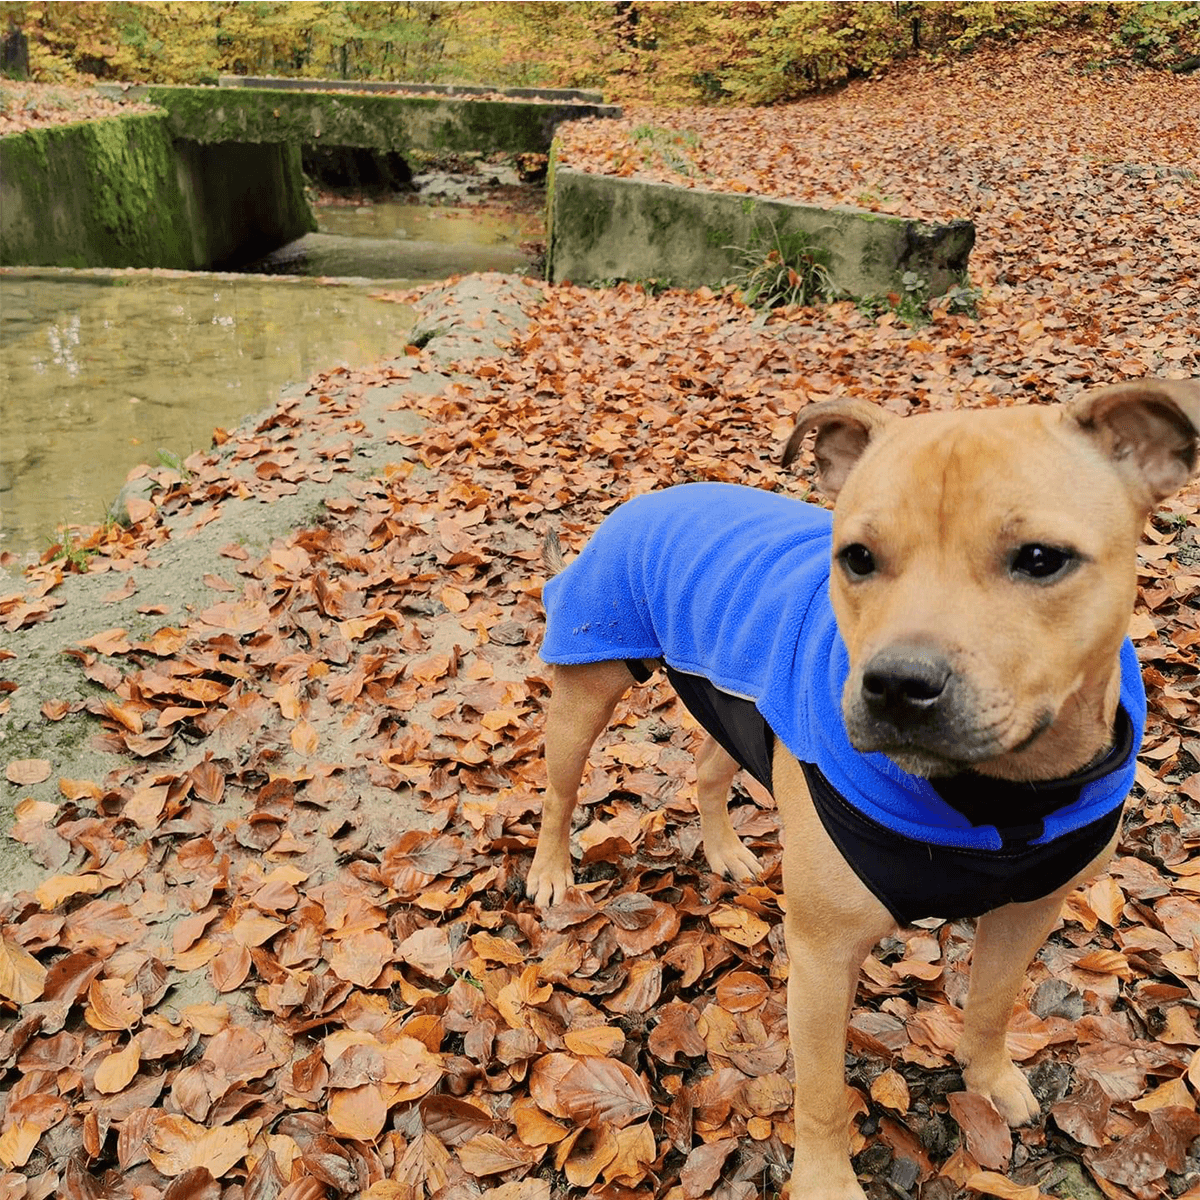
(121, 192)
(370, 121)
(609, 227)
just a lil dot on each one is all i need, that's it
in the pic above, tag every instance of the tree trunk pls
(14, 54)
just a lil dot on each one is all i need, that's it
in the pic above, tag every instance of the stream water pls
(99, 371)
(395, 239)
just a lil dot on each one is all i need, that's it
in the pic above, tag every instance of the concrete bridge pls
(393, 117)
(214, 178)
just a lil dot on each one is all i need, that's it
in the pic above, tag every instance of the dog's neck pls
(1080, 735)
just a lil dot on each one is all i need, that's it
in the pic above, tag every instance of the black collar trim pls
(1013, 806)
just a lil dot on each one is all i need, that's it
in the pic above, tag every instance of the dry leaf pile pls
(1082, 184)
(36, 105)
(283, 950)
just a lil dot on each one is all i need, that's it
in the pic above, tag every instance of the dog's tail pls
(552, 554)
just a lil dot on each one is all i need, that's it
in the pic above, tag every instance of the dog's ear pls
(1150, 428)
(844, 427)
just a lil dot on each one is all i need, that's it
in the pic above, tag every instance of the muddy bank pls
(285, 470)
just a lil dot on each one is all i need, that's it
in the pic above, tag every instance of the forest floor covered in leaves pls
(274, 756)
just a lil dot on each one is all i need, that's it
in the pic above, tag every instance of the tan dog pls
(982, 582)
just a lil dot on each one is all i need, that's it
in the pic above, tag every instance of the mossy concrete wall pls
(123, 192)
(607, 227)
(381, 122)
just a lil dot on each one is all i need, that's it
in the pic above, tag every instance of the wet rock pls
(135, 489)
(904, 1174)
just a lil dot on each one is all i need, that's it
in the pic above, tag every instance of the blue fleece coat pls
(732, 583)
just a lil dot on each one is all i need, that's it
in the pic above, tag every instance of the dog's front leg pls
(1006, 940)
(822, 978)
(830, 925)
(581, 705)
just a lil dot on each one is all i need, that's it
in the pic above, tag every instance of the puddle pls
(98, 372)
(401, 239)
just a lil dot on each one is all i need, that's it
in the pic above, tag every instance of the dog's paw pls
(802, 1186)
(732, 858)
(1008, 1090)
(548, 881)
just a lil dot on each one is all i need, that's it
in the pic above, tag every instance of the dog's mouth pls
(933, 753)
(912, 703)
(924, 764)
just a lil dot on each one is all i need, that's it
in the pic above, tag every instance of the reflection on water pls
(392, 239)
(417, 222)
(97, 373)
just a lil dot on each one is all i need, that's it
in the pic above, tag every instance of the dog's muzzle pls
(907, 702)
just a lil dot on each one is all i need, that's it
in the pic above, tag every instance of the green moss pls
(96, 193)
(124, 193)
(551, 171)
(44, 741)
(583, 221)
(131, 174)
(663, 215)
(493, 127)
(258, 115)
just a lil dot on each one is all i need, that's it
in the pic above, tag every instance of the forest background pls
(664, 53)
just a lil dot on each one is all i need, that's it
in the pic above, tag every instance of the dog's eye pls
(857, 559)
(1041, 562)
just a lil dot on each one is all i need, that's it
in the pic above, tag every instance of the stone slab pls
(605, 227)
(122, 192)
(559, 95)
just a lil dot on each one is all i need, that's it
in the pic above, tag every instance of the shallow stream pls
(100, 370)
(412, 241)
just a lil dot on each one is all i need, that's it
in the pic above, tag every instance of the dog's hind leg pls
(725, 851)
(581, 705)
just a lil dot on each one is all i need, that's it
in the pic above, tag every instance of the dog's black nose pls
(904, 682)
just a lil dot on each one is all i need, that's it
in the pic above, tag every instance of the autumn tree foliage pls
(724, 51)
(167, 41)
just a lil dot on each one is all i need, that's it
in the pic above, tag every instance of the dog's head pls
(984, 569)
